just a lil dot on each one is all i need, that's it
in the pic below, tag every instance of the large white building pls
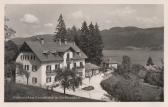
(41, 58)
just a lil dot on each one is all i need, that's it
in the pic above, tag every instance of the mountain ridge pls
(121, 38)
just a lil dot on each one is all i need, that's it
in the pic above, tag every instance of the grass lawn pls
(24, 93)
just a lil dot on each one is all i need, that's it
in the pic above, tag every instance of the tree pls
(126, 63)
(23, 72)
(84, 38)
(61, 32)
(68, 79)
(99, 45)
(149, 62)
(9, 32)
(11, 52)
(91, 43)
(72, 34)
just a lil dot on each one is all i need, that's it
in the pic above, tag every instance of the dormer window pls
(79, 53)
(45, 52)
(54, 52)
(60, 53)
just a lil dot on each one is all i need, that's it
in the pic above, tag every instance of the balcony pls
(69, 60)
(51, 72)
(78, 68)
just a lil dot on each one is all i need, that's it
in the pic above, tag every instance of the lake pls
(137, 56)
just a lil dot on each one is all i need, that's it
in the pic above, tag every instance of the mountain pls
(120, 38)
(19, 41)
(133, 38)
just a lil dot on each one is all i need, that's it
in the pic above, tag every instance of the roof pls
(90, 66)
(45, 52)
(110, 60)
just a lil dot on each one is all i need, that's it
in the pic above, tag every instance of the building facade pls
(41, 59)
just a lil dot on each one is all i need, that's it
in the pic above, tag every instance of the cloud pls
(30, 19)
(107, 21)
(149, 21)
(78, 14)
(122, 11)
(48, 25)
(128, 10)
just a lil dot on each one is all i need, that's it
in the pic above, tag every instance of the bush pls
(130, 90)
(154, 78)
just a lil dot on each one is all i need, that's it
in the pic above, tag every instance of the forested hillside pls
(133, 38)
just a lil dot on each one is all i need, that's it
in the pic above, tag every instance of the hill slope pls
(133, 37)
(121, 38)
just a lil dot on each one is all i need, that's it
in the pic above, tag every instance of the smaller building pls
(108, 62)
(91, 70)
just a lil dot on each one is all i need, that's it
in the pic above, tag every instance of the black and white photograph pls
(84, 53)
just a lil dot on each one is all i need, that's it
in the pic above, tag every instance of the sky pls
(28, 20)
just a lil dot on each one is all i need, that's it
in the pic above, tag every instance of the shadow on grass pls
(23, 93)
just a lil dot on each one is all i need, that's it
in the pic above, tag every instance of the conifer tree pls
(92, 44)
(84, 38)
(61, 32)
(149, 61)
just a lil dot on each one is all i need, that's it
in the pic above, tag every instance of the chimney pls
(42, 41)
(74, 43)
(65, 41)
(59, 41)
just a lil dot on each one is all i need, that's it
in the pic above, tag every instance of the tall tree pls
(61, 32)
(9, 32)
(99, 45)
(92, 44)
(72, 34)
(149, 61)
(84, 38)
(96, 44)
(126, 63)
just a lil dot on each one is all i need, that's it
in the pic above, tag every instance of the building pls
(108, 62)
(41, 58)
(91, 70)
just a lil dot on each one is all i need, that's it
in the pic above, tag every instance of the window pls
(68, 66)
(31, 57)
(28, 57)
(48, 79)
(26, 67)
(21, 57)
(80, 74)
(48, 68)
(34, 57)
(81, 64)
(68, 56)
(34, 80)
(79, 53)
(74, 65)
(34, 68)
(57, 66)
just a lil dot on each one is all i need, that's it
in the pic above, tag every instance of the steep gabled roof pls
(90, 66)
(45, 51)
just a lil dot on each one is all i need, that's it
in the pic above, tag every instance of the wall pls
(43, 72)
(30, 62)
